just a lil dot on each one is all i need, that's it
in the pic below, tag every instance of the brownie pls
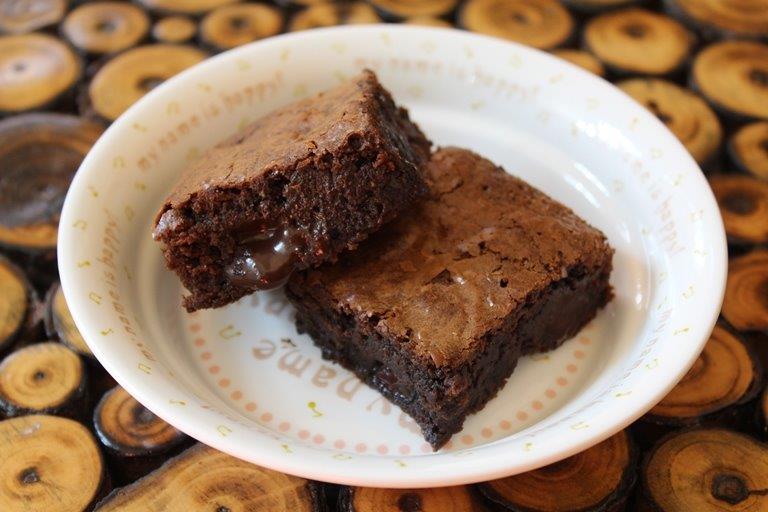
(435, 310)
(291, 191)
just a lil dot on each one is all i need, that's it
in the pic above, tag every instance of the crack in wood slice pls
(582, 59)
(37, 70)
(49, 463)
(637, 41)
(124, 79)
(716, 19)
(743, 202)
(22, 16)
(687, 115)
(733, 76)
(238, 24)
(543, 24)
(105, 27)
(748, 149)
(136, 440)
(597, 479)
(174, 29)
(745, 305)
(441, 499)
(46, 378)
(329, 15)
(707, 470)
(399, 9)
(39, 154)
(190, 7)
(60, 324)
(726, 375)
(202, 478)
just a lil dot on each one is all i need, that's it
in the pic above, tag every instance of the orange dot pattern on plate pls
(383, 449)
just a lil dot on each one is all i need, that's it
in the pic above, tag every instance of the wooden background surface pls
(71, 440)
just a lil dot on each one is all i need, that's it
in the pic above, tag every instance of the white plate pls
(242, 380)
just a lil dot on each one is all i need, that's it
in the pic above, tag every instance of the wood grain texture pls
(50, 463)
(202, 478)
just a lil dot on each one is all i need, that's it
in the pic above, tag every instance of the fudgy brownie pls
(435, 309)
(291, 191)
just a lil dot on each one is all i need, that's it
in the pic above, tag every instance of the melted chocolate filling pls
(265, 257)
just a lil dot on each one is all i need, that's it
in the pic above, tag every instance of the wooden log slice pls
(745, 304)
(329, 15)
(129, 76)
(582, 59)
(685, 114)
(60, 325)
(748, 149)
(189, 7)
(22, 16)
(174, 29)
(733, 76)
(45, 378)
(636, 41)
(136, 440)
(441, 499)
(726, 376)
(15, 301)
(543, 24)
(36, 70)
(743, 203)
(707, 470)
(428, 21)
(399, 9)
(49, 464)
(598, 479)
(202, 478)
(238, 24)
(593, 6)
(716, 19)
(39, 154)
(105, 27)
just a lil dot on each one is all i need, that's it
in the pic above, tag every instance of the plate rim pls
(456, 471)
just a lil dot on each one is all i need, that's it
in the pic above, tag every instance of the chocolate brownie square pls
(436, 309)
(291, 191)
